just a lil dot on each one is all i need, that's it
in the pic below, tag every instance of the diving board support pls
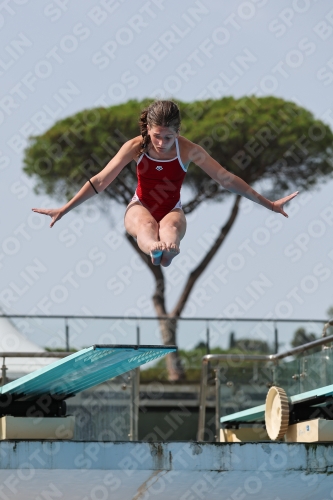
(310, 431)
(37, 428)
(134, 414)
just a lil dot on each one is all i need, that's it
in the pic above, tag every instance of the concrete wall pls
(34, 470)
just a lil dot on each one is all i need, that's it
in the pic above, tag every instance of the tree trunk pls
(168, 322)
(168, 328)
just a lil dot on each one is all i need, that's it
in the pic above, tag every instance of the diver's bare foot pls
(171, 251)
(156, 253)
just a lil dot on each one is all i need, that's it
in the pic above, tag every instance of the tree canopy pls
(255, 138)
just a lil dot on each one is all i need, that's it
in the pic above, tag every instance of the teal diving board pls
(81, 370)
(251, 415)
(306, 399)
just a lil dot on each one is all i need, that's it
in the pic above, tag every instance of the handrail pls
(304, 347)
(154, 318)
(246, 357)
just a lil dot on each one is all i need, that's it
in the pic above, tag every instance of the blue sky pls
(71, 56)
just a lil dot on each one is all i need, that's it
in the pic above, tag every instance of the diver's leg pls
(140, 224)
(172, 230)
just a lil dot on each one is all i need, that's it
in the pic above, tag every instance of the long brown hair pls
(161, 114)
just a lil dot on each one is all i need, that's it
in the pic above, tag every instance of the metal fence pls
(76, 331)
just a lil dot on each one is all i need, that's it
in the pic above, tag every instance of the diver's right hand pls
(54, 213)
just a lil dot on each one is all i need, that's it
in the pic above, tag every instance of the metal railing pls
(274, 358)
(133, 378)
(67, 331)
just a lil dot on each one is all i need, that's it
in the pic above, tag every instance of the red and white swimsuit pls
(159, 184)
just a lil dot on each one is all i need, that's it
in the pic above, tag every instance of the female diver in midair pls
(155, 216)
